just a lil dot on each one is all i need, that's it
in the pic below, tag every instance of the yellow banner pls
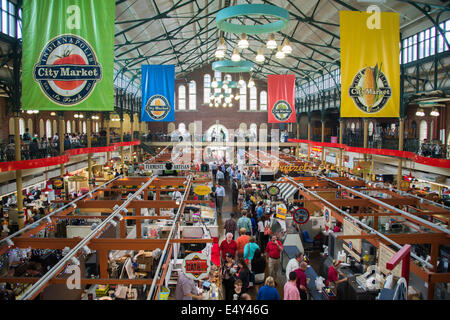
(370, 67)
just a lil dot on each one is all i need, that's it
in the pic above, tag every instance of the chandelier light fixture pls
(287, 49)
(243, 43)
(420, 112)
(214, 84)
(260, 57)
(236, 57)
(280, 54)
(434, 112)
(251, 83)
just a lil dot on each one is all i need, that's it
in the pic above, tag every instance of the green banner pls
(68, 55)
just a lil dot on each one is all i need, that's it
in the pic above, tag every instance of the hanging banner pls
(158, 93)
(281, 89)
(370, 66)
(68, 55)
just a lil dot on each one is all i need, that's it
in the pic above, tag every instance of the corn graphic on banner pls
(370, 67)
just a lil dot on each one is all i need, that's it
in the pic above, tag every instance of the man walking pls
(273, 251)
(235, 192)
(220, 177)
(231, 225)
(245, 223)
(220, 195)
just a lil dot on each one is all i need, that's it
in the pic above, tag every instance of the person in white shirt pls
(220, 177)
(294, 264)
(220, 195)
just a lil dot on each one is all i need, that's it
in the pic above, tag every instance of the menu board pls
(352, 230)
(384, 255)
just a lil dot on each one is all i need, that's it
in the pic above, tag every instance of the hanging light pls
(236, 57)
(280, 54)
(434, 112)
(211, 98)
(230, 105)
(251, 83)
(243, 43)
(47, 190)
(216, 105)
(221, 96)
(225, 85)
(241, 82)
(271, 43)
(221, 48)
(220, 54)
(420, 112)
(53, 114)
(214, 83)
(210, 104)
(286, 47)
(260, 57)
(237, 97)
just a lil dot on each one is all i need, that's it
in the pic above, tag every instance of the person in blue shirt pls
(249, 251)
(260, 210)
(268, 291)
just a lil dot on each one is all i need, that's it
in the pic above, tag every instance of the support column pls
(102, 255)
(341, 138)
(89, 140)
(401, 134)
(366, 133)
(297, 148)
(107, 120)
(20, 212)
(138, 224)
(121, 140)
(309, 136)
(61, 139)
(323, 138)
(132, 135)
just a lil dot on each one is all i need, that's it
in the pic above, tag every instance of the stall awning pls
(287, 190)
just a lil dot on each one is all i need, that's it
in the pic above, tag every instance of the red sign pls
(196, 265)
(281, 92)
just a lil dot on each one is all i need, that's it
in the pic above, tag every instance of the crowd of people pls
(434, 149)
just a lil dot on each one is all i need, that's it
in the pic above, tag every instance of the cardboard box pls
(144, 261)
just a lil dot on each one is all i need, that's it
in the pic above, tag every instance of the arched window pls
(69, 127)
(48, 129)
(84, 127)
(253, 97)
(253, 132)
(423, 130)
(182, 128)
(218, 75)
(431, 131)
(170, 127)
(370, 128)
(80, 126)
(96, 127)
(413, 130)
(243, 98)
(192, 95)
(263, 101)
(181, 97)
(21, 126)
(206, 88)
(353, 127)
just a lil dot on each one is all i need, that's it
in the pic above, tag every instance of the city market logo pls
(67, 70)
(157, 107)
(370, 89)
(282, 110)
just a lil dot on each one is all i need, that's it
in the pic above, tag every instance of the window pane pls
(243, 99)
(192, 95)
(181, 98)
(263, 100)
(253, 101)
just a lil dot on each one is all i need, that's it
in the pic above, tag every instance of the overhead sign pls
(70, 65)
(273, 190)
(158, 93)
(384, 255)
(370, 74)
(281, 91)
(301, 216)
(166, 166)
(196, 266)
(202, 190)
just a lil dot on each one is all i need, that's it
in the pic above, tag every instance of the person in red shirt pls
(273, 252)
(301, 280)
(228, 246)
(333, 274)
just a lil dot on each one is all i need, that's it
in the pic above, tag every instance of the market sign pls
(273, 190)
(327, 215)
(385, 254)
(352, 230)
(77, 178)
(166, 166)
(301, 216)
(202, 190)
(196, 266)
(281, 213)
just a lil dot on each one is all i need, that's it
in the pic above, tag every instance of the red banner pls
(281, 92)
(441, 163)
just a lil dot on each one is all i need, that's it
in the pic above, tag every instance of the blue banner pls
(158, 93)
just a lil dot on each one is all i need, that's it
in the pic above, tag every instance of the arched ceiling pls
(184, 33)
